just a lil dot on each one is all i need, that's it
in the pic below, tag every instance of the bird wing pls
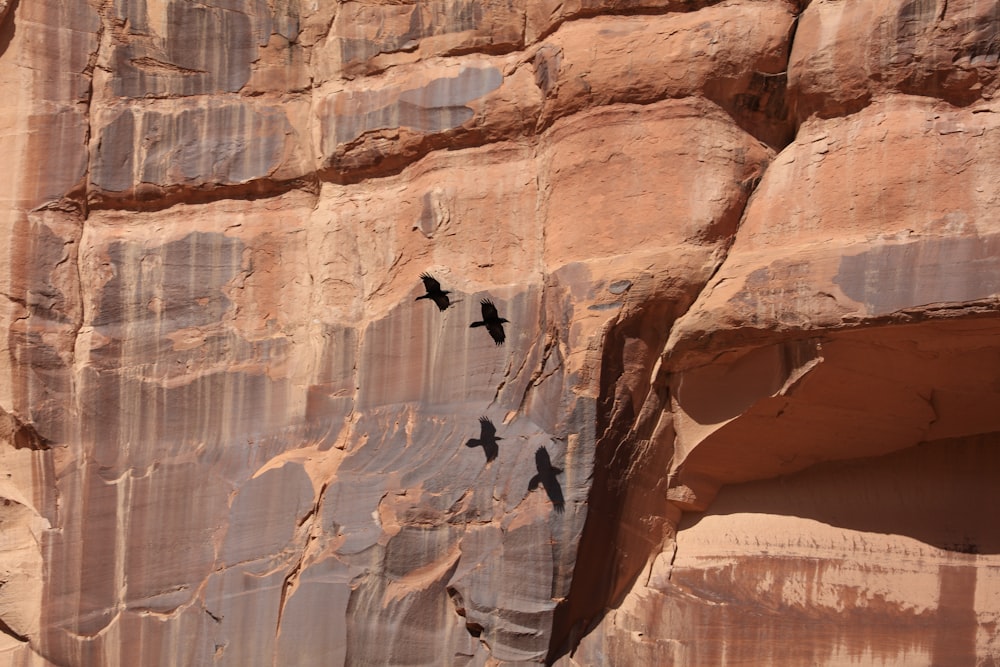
(554, 492)
(430, 283)
(491, 450)
(441, 300)
(489, 310)
(542, 461)
(487, 431)
(533, 484)
(496, 332)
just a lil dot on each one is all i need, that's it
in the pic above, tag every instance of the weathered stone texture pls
(144, 153)
(847, 54)
(915, 226)
(369, 127)
(725, 53)
(745, 411)
(368, 37)
(184, 48)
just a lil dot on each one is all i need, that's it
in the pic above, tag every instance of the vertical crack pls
(311, 526)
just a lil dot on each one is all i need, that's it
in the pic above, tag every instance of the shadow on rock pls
(547, 478)
(487, 439)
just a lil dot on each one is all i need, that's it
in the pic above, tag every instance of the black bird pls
(547, 478)
(434, 292)
(492, 321)
(487, 439)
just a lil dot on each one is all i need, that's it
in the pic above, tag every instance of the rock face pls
(746, 408)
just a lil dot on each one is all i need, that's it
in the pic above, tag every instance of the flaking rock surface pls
(745, 411)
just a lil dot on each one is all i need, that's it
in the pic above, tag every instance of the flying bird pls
(487, 439)
(434, 292)
(492, 321)
(547, 478)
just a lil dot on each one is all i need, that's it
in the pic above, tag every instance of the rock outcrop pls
(745, 409)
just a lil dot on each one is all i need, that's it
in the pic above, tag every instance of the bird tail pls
(477, 324)
(535, 481)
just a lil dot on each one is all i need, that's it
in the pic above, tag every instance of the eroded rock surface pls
(745, 411)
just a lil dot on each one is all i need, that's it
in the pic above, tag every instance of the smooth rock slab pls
(848, 54)
(192, 144)
(861, 217)
(379, 126)
(371, 36)
(725, 52)
(186, 48)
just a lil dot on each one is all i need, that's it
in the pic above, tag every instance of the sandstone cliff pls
(750, 256)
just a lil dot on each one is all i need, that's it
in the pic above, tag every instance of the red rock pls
(372, 36)
(942, 50)
(727, 53)
(747, 251)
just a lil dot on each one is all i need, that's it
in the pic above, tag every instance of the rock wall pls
(749, 254)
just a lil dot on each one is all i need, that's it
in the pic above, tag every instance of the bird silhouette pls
(547, 478)
(487, 439)
(492, 321)
(434, 292)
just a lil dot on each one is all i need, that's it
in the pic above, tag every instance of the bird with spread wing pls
(434, 292)
(492, 321)
(487, 439)
(547, 478)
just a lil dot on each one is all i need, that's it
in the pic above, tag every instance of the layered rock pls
(850, 320)
(747, 254)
